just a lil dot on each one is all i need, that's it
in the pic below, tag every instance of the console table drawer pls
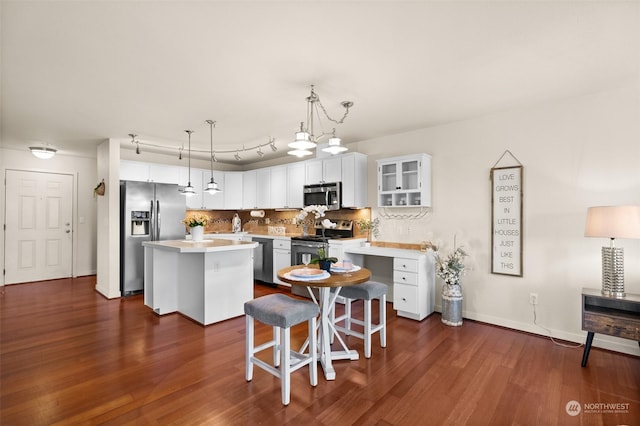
(405, 298)
(405, 278)
(406, 265)
(603, 324)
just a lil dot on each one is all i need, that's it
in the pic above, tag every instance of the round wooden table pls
(326, 302)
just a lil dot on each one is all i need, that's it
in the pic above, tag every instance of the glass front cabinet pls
(405, 181)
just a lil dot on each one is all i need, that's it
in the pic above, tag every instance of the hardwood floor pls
(69, 356)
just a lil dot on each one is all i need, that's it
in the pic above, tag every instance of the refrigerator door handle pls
(152, 222)
(158, 214)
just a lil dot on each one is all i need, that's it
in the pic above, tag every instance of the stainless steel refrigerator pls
(148, 212)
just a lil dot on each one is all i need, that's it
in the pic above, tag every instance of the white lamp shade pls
(212, 187)
(189, 190)
(613, 222)
(300, 152)
(302, 142)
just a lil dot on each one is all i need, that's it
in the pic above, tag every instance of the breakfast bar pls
(208, 281)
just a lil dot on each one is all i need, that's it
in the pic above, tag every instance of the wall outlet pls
(533, 298)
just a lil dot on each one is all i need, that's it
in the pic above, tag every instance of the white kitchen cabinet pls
(295, 185)
(278, 187)
(323, 170)
(163, 173)
(249, 190)
(134, 170)
(404, 181)
(411, 297)
(281, 257)
(354, 179)
(150, 172)
(232, 190)
(263, 188)
(213, 201)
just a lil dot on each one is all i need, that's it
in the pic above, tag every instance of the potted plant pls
(324, 261)
(196, 223)
(369, 226)
(451, 270)
(99, 189)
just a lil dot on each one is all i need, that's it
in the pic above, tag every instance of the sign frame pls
(506, 220)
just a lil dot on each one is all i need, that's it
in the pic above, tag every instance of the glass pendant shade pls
(300, 152)
(189, 190)
(212, 187)
(302, 142)
(334, 146)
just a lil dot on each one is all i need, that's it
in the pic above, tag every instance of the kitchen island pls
(208, 281)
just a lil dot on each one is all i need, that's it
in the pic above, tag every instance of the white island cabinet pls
(207, 281)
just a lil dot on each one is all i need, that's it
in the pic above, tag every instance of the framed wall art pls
(506, 220)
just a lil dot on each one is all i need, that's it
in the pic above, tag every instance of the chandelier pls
(306, 139)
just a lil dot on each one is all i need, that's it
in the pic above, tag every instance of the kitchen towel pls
(257, 213)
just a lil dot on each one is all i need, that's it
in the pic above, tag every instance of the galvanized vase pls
(452, 304)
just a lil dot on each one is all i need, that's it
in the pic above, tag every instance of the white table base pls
(326, 328)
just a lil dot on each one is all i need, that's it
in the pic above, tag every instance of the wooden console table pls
(618, 317)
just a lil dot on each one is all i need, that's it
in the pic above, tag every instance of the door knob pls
(67, 231)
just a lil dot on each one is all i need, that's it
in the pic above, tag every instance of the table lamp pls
(613, 222)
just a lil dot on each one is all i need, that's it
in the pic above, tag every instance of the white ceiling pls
(75, 73)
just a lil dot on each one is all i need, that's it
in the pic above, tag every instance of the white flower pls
(318, 212)
(328, 224)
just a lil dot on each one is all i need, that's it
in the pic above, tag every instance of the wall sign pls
(506, 220)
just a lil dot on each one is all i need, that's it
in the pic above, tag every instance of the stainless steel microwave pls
(324, 194)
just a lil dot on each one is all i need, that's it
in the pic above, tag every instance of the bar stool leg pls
(367, 328)
(383, 320)
(313, 352)
(249, 350)
(285, 367)
(276, 347)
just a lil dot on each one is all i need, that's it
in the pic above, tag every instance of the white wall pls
(576, 153)
(84, 204)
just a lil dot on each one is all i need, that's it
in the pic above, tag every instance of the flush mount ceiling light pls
(188, 190)
(42, 152)
(212, 186)
(306, 138)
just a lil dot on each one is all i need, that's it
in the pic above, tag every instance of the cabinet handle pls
(404, 278)
(404, 300)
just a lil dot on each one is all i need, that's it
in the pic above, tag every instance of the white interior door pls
(39, 226)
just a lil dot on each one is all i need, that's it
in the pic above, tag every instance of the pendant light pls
(188, 190)
(334, 145)
(212, 186)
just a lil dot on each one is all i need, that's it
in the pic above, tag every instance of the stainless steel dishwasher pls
(263, 260)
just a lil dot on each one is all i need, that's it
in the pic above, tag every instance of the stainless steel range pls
(311, 243)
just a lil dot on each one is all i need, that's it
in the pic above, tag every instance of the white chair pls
(366, 292)
(281, 312)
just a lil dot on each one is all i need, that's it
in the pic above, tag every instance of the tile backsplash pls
(275, 222)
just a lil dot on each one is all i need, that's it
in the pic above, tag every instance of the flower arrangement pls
(318, 211)
(369, 226)
(451, 269)
(196, 219)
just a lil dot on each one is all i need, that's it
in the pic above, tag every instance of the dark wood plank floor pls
(69, 356)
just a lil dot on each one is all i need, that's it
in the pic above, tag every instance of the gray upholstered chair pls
(366, 292)
(281, 312)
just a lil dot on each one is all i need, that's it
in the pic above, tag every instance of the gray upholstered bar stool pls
(281, 312)
(367, 292)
